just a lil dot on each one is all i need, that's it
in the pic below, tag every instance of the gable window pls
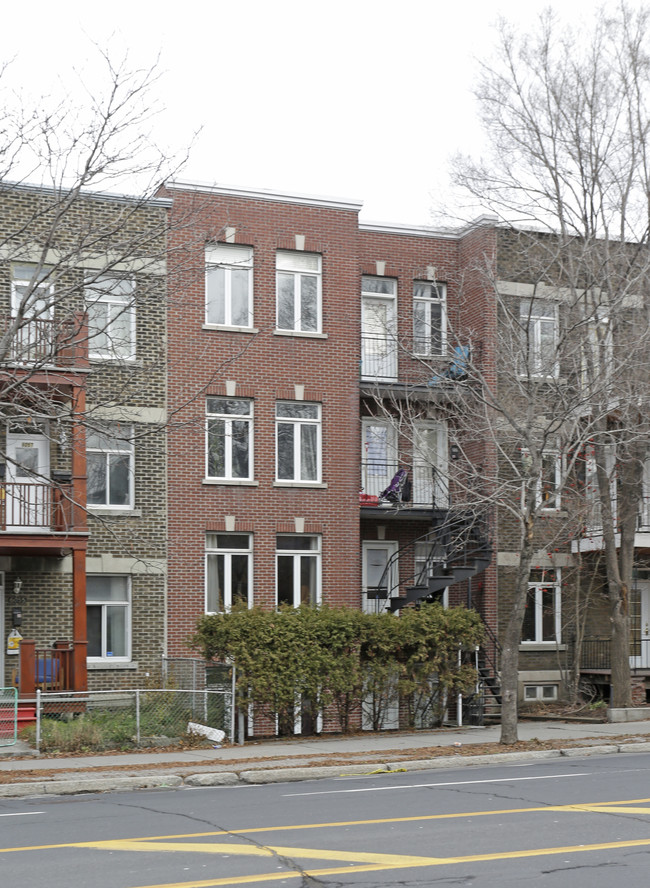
(109, 455)
(298, 567)
(111, 317)
(429, 318)
(32, 297)
(229, 285)
(298, 436)
(539, 334)
(229, 438)
(298, 291)
(542, 615)
(228, 571)
(108, 612)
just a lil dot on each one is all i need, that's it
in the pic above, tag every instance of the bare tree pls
(567, 120)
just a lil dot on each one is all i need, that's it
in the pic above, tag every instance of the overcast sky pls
(362, 99)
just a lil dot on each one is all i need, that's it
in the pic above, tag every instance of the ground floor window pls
(108, 609)
(298, 569)
(542, 616)
(228, 571)
(540, 692)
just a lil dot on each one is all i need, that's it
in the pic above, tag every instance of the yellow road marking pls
(403, 863)
(265, 851)
(618, 806)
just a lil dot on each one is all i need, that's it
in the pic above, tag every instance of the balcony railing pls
(35, 507)
(385, 484)
(43, 341)
(596, 653)
(379, 356)
(50, 669)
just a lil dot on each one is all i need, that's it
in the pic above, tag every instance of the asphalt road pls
(574, 822)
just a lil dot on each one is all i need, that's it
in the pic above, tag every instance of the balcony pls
(385, 362)
(43, 342)
(595, 655)
(39, 508)
(393, 486)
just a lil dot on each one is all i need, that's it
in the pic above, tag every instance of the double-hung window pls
(542, 615)
(228, 571)
(108, 612)
(229, 438)
(299, 291)
(298, 436)
(229, 285)
(110, 309)
(109, 455)
(538, 320)
(298, 570)
(429, 318)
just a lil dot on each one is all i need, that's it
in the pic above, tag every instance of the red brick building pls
(297, 340)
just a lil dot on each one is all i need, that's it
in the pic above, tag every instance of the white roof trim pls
(334, 203)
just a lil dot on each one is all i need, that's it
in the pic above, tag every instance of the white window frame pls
(378, 347)
(123, 447)
(296, 264)
(424, 303)
(534, 314)
(553, 503)
(376, 473)
(297, 554)
(299, 424)
(425, 461)
(221, 549)
(537, 587)
(31, 341)
(536, 692)
(111, 603)
(229, 258)
(228, 419)
(117, 295)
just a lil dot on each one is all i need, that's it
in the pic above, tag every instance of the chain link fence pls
(124, 719)
(8, 716)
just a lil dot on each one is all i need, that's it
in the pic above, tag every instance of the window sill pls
(113, 359)
(541, 646)
(303, 334)
(231, 482)
(94, 665)
(316, 484)
(105, 511)
(227, 328)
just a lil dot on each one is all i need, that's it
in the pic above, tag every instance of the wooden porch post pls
(78, 461)
(27, 674)
(79, 624)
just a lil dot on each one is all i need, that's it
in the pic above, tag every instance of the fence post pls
(232, 707)
(137, 717)
(38, 720)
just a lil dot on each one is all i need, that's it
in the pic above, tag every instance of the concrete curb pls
(77, 785)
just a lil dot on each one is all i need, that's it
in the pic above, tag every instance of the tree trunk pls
(512, 639)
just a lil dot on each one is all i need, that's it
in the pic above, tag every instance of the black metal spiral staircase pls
(459, 549)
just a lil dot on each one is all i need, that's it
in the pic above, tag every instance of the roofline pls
(162, 202)
(427, 230)
(332, 203)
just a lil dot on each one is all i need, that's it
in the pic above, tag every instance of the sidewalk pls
(310, 758)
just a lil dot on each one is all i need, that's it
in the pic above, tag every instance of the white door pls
(28, 487)
(379, 339)
(379, 455)
(375, 578)
(640, 629)
(430, 469)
